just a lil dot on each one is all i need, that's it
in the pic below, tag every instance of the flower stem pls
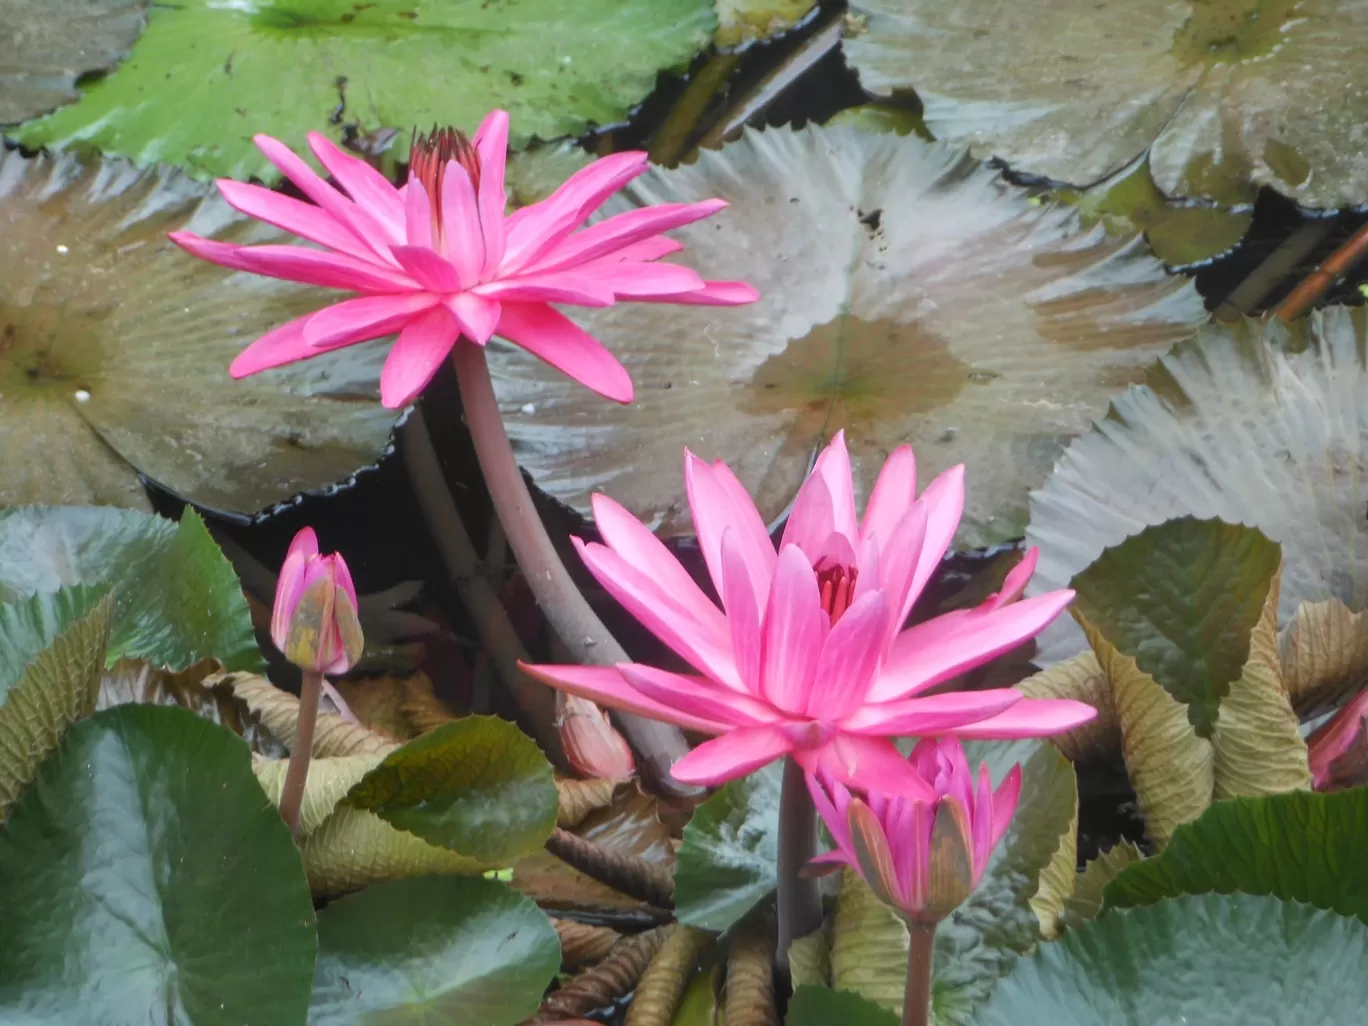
(297, 771)
(800, 900)
(658, 745)
(917, 996)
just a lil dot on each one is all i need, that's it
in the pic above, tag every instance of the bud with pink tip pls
(314, 620)
(1338, 749)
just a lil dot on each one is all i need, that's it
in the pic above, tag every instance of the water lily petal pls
(420, 350)
(427, 268)
(418, 219)
(306, 220)
(743, 612)
(610, 236)
(933, 714)
(370, 190)
(558, 287)
(697, 696)
(865, 764)
(719, 501)
(849, 658)
(462, 234)
(491, 144)
(894, 491)
(478, 317)
(794, 629)
(733, 755)
(563, 344)
(355, 320)
(944, 499)
(296, 263)
(713, 293)
(1031, 717)
(606, 686)
(277, 347)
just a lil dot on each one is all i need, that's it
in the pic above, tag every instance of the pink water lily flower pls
(438, 259)
(314, 621)
(922, 858)
(806, 656)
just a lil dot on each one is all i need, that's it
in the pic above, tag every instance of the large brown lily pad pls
(906, 295)
(1227, 95)
(114, 352)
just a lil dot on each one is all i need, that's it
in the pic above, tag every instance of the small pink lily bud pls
(592, 744)
(1339, 748)
(314, 620)
(922, 858)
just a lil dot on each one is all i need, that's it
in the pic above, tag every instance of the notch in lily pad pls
(478, 786)
(1182, 599)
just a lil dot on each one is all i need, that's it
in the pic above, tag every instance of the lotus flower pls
(806, 656)
(314, 620)
(437, 259)
(922, 858)
(1338, 749)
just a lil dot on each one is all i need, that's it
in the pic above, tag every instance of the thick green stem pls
(917, 996)
(297, 772)
(800, 899)
(658, 745)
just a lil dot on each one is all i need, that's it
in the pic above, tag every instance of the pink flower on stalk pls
(438, 259)
(807, 657)
(314, 621)
(921, 857)
(1338, 749)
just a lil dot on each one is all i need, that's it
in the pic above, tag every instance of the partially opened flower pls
(1338, 750)
(438, 260)
(921, 857)
(806, 657)
(314, 620)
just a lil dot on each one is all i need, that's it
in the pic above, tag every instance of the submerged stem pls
(800, 899)
(297, 771)
(658, 745)
(917, 997)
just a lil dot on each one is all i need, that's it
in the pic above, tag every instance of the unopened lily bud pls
(592, 744)
(1338, 749)
(314, 620)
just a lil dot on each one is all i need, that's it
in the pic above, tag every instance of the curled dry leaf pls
(328, 782)
(628, 874)
(279, 711)
(750, 975)
(869, 945)
(604, 983)
(1086, 900)
(1057, 880)
(377, 702)
(582, 943)
(810, 958)
(578, 798)
(1324, 655)
(662, 984)
(1080, 678)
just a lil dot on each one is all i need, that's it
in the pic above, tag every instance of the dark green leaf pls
(450, 950)
(727, 862)
(478, 786)
(1181, 599)
(31, 625)
(145, 879)
(177, 600)
(1207, 959)
(1302, 845)
(819, 1006)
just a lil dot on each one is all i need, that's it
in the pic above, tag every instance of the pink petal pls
(477, 316)
(422, 347)
(430, 271)
(610, 236)
(831, 815)
(629, 280)
(276, 348)
(566, 346)
(743, 612)
(290, 583)
(849, 658)
(893, 494)
(1004, 805)
(606, 686)
(558, 287)
(295, 263)
(1332, 740)
(1031, 717)
(1014, 584)
(491, 143)
(417, 215)
(944, 500)
(356, 320)
(934, 714)
(719, 501)
(713, 293)
(833, 465)
(697, 696)
(303, 219)
(899, 552)
(794, 629)
(733, 755)
(932, 652)
(812, 519)
(462, 234)
(370, 189)
(649, 249)
(866, 764)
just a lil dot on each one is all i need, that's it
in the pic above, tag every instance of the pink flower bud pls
(314, 620)
(1339, 748)
(592, 744)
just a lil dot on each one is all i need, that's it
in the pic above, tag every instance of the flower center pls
(429, 156)
(836, 585)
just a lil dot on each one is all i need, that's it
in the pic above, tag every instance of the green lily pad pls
(1197, 958)
(741, 22)
(1303, 846)
(1256, 423)
(1181, 598)
(206, 75)
(461, 951)
(906, 295)
(48, 44)
(820, 1006)
(57, 684)
(1218, 91)
(145, 879)
(478, 786)
(115, 346)
(177, 600)
(730, 851)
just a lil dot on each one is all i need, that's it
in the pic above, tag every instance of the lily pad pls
(114, 351)
(741, 22)
(29, 625)
(177, 600)
(207, 75)
(145, 879)
(819, 1006)
(48, 44)
(907, 295)
(1256, 423)
(462, 951)
(1198, 958)
(1226, 95)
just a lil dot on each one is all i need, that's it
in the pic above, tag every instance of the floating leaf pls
(47, 45)
(1324, 655)
(1256, 423)
(1181, 598)
(745, 21)
(463, 951)
(731, 847)
(58, 684)
(1301, 845)
(177, 600)
(145, 880)
(906, 295)
(205, 75)
(818, 1006)
(1218, 92)
(478, 786)
(1086, 900)
(116, 347)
